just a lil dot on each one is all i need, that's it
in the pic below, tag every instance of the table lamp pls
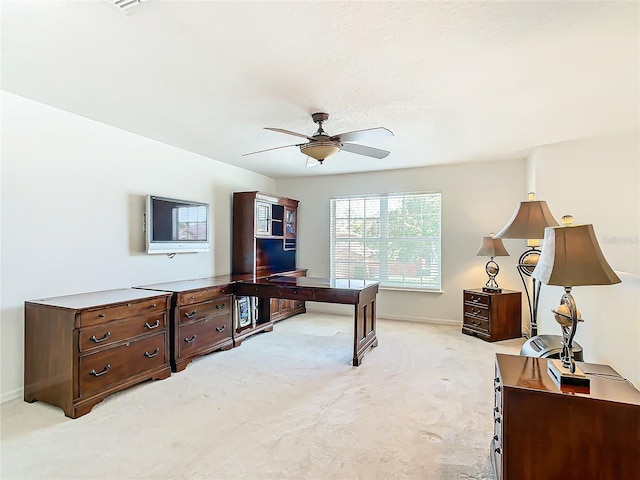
(528, 222)
(571, 257)
(492, 247)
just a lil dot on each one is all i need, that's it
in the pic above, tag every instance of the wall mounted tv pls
(176, 226)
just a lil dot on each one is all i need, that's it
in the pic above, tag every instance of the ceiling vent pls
(125, 4)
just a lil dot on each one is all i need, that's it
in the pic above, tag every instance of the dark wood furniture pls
(201, 319)
(361, 294)
(265, 243)
(81, 348)
(544, 431)
(492, 316)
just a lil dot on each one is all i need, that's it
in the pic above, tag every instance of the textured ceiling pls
(454, 81)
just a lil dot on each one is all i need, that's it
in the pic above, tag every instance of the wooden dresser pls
(201, 319)
(81, 348)
(492, 316)
(542, 431)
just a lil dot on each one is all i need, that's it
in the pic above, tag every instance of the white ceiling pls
(454, 81)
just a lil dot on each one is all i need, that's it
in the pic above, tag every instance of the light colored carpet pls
(284, 405)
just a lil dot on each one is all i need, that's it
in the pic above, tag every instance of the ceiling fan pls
(322, 145)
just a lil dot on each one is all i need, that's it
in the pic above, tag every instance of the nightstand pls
(492, 316)
(543, 431)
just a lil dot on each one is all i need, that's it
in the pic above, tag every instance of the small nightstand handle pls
(220, 329)
(189, 315)
(190, 340)
(150, 327)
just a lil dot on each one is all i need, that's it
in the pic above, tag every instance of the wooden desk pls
(543, 431)
(360, 293)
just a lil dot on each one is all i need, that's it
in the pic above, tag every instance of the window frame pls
(413, 279)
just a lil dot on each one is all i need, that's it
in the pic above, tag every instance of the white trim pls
(317, 307)
(12, 395)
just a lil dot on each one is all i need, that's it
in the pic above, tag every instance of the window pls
(391, 238)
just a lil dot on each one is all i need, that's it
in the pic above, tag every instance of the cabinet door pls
(263, 218)
(290, 223)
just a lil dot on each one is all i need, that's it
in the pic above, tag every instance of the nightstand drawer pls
(476, 324)
(476, 298)
(477, 311)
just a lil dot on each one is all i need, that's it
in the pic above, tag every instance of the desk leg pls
(364, 330)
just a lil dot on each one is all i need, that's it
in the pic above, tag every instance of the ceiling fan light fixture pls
(320, 150)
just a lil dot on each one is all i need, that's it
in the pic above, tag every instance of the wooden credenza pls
(81, 348)
(543, 431)
(492, 316)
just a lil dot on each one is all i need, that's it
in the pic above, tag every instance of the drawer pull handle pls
(153, 305)
(151, 355)
(220, 329)
(155, 325)
(221, 306)
(498, 388)
(498, 451)
(98, 340)
(190, 315)
(101, 315)
(190, 340)
(295, 291)
(496, 438)
(497, 419)
(128, 304)
(99, 374)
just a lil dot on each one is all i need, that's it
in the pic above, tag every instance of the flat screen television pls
(176, 226)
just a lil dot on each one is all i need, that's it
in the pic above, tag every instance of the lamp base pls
(564, 376)
(491, 290)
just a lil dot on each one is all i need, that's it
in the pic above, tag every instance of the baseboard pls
(348, 310)
(12, 395)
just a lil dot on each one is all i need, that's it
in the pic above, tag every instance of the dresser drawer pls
(104, 334)
(124, 310)
(202, 295)
(478, 311)
(107, 367)
(476, 298)
(476, 323)
(203, 334)
(199, 311)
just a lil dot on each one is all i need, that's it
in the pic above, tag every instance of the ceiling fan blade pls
(289, 132)
(364, 150)
(269, 149)
(362, 135)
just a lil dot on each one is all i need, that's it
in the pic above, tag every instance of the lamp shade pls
(571, 257)
(529, 221)
(492, 247)
(320, 149)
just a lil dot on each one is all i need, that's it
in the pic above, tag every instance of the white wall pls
(477, 199)
(73, 195)
(597, 180)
